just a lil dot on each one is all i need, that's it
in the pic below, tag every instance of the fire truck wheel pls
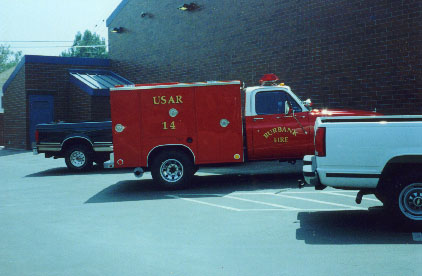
(172, 169)
(79, 158)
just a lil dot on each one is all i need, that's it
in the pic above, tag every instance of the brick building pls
(344, 53)
(4, 76)
(45, 89)
(1, 129)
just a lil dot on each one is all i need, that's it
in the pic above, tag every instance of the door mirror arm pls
(289, 109)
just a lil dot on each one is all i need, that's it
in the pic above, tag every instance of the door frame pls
(31, 125)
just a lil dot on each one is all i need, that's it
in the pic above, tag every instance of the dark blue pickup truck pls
(80, 144)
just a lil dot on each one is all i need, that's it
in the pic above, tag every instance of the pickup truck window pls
(272, 102)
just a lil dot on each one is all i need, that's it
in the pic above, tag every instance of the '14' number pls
(172, 125)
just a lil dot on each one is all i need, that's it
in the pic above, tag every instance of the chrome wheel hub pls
(171, 170)
(410, 201)
(77, 158)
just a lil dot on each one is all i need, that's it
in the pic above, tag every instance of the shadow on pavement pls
(261, 168)
(202, 186)
(7, 152)
(62, 171)
(374, 226)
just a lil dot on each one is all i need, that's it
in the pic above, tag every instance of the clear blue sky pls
(51, 20)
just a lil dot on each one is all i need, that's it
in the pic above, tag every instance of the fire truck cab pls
(276, 124)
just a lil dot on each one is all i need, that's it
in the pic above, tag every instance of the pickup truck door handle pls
(255, 119)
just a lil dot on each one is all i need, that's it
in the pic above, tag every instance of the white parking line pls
(319, 201)
(339, 194)
(205, 203)
(318, 192)
(285, 209)
(262, 203)
(216, 195)
(288, 192)
(279, 207)
(295, 210)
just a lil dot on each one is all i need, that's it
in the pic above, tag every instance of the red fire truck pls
(173, 128)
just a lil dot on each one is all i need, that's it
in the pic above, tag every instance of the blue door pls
(41, 110)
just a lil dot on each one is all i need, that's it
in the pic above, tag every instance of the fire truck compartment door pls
(125, 114)
(219, 124)
(168, 118)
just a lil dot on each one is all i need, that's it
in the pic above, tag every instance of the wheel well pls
(160, 149)
(75, 141)
(399, 166)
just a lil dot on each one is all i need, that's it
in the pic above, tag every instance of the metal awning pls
(96, 82)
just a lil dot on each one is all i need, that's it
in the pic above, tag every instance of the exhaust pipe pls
(138, 172)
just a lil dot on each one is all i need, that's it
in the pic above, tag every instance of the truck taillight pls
(320, 142)
(37, 137)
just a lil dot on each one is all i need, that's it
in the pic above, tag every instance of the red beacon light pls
(268, 79)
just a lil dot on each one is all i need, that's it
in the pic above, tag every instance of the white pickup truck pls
(376, 155)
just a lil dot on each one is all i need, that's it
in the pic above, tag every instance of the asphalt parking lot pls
(242, 220)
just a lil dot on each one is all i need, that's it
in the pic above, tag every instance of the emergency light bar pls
(268, 79)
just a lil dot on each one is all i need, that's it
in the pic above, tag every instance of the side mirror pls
(307, 103)
(286, 108)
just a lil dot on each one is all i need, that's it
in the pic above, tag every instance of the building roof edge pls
(13, 75)
(116, 12)
(28, 59)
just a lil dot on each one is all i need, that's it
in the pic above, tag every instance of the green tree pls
(87, 45)
(8, 58)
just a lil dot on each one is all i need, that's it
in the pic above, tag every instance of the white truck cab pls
(251, 92)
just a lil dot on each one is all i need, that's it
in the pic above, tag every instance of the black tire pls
(410, 202)
(172, 170)
(79, 158)
(407, 205)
